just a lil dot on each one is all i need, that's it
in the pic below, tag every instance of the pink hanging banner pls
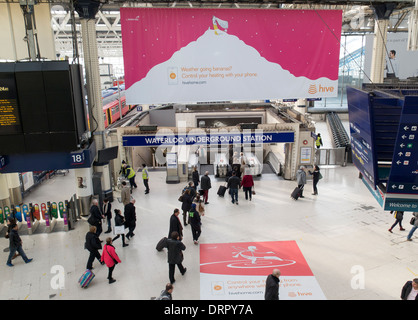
(192, 55)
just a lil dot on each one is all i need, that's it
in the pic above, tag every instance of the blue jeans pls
(411, 232)
(21, 252)
(234, 194)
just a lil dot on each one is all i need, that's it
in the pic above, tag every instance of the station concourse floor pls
(341, 228)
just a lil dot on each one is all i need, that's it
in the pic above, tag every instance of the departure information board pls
(9, 112)
(403, 178)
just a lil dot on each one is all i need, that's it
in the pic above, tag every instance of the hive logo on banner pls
(198, 55)
(321, 89)
(172, 75)
(237, 271)
(312, 89)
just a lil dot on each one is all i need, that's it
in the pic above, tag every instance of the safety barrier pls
(32, 215)
(331, 156)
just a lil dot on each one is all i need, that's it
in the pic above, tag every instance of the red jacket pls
(247, 181)
(109, 255)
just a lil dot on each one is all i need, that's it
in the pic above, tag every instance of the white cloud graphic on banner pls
(222, 68)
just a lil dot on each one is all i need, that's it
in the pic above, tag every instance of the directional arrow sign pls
(402, 145)
(398, 162)
(400, 154)
(406, 128)
(404, 136)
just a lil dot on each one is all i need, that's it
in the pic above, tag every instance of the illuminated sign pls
(9, 112)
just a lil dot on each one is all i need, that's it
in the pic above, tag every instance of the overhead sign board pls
(206, 139)
(9, 113)
(361, 133)
(188, 55)
(403, 177)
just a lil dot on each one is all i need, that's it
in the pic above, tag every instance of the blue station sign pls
(207, 139)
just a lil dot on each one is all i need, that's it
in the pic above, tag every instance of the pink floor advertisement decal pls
(193, 55)
(237, 271)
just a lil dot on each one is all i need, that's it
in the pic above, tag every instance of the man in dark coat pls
(410, 290)
(272, 286)
(195, 223)
(175, 250)
(234, 183)
(175, 224)
(93, 245)
(205, 185)
(130, 218)
(186, 205)
(96, 217)
(107, 212)
(15, 244)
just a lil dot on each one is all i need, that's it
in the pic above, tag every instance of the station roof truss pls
(358, 17)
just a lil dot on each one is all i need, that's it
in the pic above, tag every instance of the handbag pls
(114, 260)
(412, 221)
(253, 192)
(320, 176)
(181, 198)
(119, 229)
(91, 220)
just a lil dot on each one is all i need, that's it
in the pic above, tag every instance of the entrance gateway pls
(181, 149)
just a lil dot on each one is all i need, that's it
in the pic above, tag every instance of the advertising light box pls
(199, 55)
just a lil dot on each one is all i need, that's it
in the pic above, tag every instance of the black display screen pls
(9, 113)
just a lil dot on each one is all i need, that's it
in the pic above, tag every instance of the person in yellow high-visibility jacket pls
(130, 175)
(145, 177)
(318, 141)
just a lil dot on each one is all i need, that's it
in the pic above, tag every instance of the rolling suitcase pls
(86, 278)
(221, 191)
(161, 244)
(296, 193)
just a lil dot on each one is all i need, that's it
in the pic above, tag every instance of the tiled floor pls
(337, 231)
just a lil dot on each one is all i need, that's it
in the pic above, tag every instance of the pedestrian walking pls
(247, 184)
(120, 222)
(316, 175)
(130, 218)
(234, 183)
(410, 290)
(272, 286)
(399, 217)
(414, 226)
(15, 245)
(301, 180)
(175, 224)
(145, 177)
(195, 178)
(199, 204)
(318, 141)
(110, 258)
(125, 194)
(167, 293)
(175, 257)
(96, 217)
(93, 245)
(205, 185)
(107, 212)
(186, 205)
(195, 223)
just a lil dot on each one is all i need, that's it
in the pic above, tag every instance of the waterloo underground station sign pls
(198, 139)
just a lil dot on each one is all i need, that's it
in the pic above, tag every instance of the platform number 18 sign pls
(77, 159)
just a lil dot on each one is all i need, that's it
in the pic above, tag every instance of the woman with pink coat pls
(110, 257)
